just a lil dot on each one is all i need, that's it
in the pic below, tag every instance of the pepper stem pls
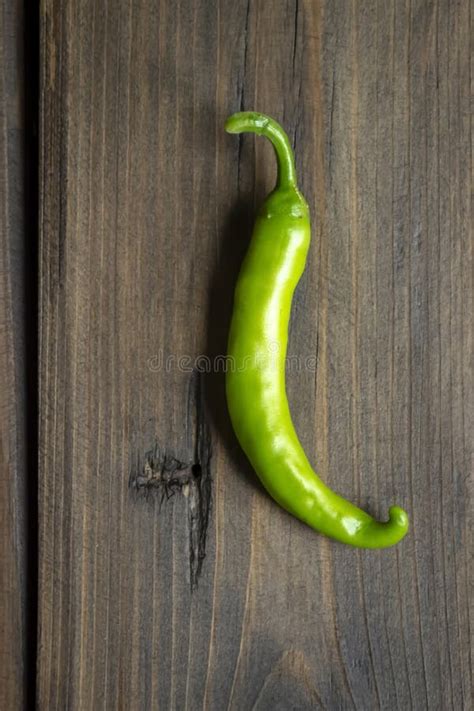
(253, 122)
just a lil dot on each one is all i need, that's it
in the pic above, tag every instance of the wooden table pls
(167, 578)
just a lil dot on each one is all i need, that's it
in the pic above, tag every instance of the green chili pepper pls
(255, 379)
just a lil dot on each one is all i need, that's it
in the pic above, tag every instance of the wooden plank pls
(168, 578)
(15, 658)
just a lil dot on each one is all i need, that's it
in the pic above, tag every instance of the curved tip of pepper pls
(398, 523)
(262, 125)
(378, 534)
(399, 517)
(232, 124)
(245, 121)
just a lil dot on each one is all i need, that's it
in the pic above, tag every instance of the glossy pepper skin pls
(255, 379)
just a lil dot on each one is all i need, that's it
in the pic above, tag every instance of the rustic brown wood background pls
(167, 578)
(18, 364)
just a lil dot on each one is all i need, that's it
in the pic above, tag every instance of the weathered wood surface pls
(146, 211)
(13, 340)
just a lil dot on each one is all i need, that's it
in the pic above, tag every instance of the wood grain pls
(13, 348)
(146, 211)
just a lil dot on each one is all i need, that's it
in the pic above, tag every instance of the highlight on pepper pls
(256, 394)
